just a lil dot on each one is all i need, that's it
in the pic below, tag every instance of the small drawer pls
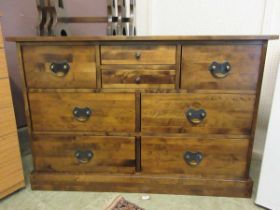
(3, 65)
(138, 78)
(138, 54)
(199, 158)
(63, 153)
(197, 113)
(225, 67)
(96, 112)
(60, 66)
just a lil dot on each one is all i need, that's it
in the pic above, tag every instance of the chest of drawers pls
(143, 114)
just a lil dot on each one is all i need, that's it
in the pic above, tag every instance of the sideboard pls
(154, 114)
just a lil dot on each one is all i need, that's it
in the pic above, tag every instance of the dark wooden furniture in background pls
(11, 173)
(143, 114)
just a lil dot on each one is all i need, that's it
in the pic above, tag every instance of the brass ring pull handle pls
(138, 55)
(196, 116)
(84, 156)
(82, 114)
(193, 158)
(220, 70)
(138, 80)
(60, 69)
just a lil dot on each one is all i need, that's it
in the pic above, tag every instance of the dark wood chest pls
(143, 114)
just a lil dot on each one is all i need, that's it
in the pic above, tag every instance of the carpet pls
(119, 203)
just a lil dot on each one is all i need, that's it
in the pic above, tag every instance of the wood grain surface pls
(110, 112)
(149, 54)
(222, 158)
(3, 65)
(38, 59)
(225, 113)
(146, 78)
(141, 183)
(1, 39)
(56, 153)
(11, 172)
(244, 60)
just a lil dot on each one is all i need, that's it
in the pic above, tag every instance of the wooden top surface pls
(139, 38)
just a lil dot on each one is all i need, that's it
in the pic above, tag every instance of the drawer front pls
(139, 78)
(3, 65)
(100, 112)
(84, 153)
(207, 158)
(221, 67)
(197, 113)
(138, 54)
(60, 66)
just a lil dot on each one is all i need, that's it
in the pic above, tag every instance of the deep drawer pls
(225, 67)
(138, 54)
(60, 66)
(100, 112)
(62, 153)
(145, 77)
(207, 158)
(197, 113)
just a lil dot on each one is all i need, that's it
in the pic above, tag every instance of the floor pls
(26, 199)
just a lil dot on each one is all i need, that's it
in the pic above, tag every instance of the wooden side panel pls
(221, 158)
(147, 78)
(56, 153)
(225, 113)
(1, 38)
(11, 172)
(38, 59)
(148, 54)
(7, 119)
(3, 65)
(244, 60)
(5, 94)
(110, 112)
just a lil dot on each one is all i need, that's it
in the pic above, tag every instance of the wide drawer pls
(3, 64)
(100, 112)
(207, 158)
(145, 77)
(138, 54)
(60, 66)
(226, 67)
(62, 153)
(197, 113)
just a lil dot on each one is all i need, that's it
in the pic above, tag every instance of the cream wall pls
(234, 17)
